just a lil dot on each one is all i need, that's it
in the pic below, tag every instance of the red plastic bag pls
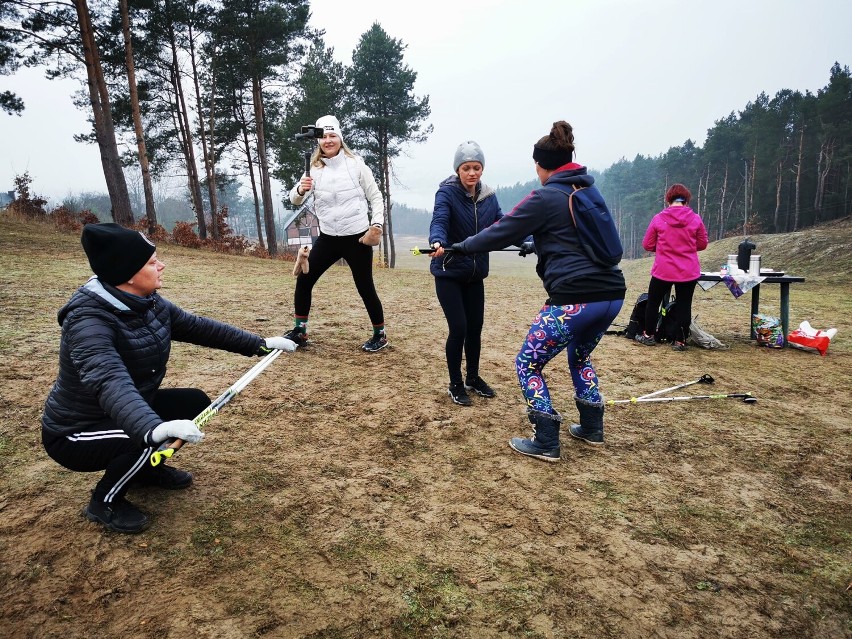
(810, 339)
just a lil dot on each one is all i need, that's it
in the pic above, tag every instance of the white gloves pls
(184, 429)
(279, 343)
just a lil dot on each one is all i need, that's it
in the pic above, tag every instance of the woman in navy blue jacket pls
(463, 206)
(583, 296)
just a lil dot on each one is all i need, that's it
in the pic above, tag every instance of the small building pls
(6, 198)
(301, 227)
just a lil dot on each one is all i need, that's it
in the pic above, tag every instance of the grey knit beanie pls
(468, 152)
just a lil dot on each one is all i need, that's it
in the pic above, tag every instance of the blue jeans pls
(575, 328)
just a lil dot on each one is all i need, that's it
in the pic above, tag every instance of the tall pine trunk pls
(265, 184)
(147, 187)
(209, 160)
(119, 197)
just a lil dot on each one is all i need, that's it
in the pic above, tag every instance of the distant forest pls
(780, 164)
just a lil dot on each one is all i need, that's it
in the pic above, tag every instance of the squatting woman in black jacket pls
(106, 412)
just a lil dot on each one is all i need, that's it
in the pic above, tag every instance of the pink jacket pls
(676, 234)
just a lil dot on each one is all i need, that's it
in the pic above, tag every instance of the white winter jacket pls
(342, 188)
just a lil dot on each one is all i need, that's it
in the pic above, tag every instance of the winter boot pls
(590, 429)
(119, 515)
(544, 443)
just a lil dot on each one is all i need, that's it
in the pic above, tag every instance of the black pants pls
(684, 291)
(325, 252)
(110, 449)
(464, 308)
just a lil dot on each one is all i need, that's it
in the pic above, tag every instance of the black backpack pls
(666, 328)
(596, 230)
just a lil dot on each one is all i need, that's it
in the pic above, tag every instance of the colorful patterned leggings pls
(576, 328)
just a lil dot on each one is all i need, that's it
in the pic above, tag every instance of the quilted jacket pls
(457, 215)
(113, 356)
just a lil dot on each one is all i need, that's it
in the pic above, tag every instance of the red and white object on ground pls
(808, 338)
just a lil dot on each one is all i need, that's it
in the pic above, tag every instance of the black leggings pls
(327, 249)
(464, 308)
(684, 291)
(105, 447)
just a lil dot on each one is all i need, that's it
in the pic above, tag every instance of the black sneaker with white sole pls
(459, 395)
(298, 335)
(375, 343)
(478, 386)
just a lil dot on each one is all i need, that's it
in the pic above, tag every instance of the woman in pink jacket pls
(675, 235)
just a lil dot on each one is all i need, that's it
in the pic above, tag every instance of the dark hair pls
(556, 148)
(678, 192)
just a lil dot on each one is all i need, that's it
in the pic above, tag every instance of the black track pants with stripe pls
(110, 449)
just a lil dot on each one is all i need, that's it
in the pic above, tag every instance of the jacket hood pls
(95, 293)
(677, 216)
(482, 189)
(571, 174)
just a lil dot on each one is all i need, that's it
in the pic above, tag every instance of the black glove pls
(458, 247)
(526, 249)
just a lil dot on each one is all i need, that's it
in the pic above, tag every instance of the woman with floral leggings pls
(584, 297)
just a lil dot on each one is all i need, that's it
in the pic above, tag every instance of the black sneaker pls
(641, 338)
(459, 395)
(298, 335)
(120, 515)
(478, 386)
(163, 476)
(375, 343)
(679, 346)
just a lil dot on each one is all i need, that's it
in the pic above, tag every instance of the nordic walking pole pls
(167, 449)
(704, 379)
(748, 398)
(447, 249)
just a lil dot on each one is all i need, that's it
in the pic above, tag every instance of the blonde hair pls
(317, 155)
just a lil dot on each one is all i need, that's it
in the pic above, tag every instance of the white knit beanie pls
(468, 152)
(329, 124)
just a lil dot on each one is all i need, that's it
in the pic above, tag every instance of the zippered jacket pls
(457, 215)
(568, 274)
(675, 235)
(342, 187)
(113, 357)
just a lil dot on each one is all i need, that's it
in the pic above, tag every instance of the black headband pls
(550, 159)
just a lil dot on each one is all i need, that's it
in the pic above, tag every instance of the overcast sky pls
(631, 76)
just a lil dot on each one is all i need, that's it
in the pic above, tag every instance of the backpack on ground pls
(665, 329)
(596, 230)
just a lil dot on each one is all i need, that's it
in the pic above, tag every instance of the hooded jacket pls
(342, 187)
(113, 356)
(675, 235)
(568, 274)
(457, 215)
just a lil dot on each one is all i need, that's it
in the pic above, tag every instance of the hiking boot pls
(478, 386)
(375, 343)
(544, 443)
(590, 429)
(459, 395)
(119, 516)
(298, 335)
(679, 346)
(642, 338)
(163, 476)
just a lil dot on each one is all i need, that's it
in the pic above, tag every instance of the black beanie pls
(115, 253)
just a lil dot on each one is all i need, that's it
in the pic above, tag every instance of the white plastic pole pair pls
(168, 448)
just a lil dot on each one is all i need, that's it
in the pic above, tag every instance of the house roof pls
(292, 216)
